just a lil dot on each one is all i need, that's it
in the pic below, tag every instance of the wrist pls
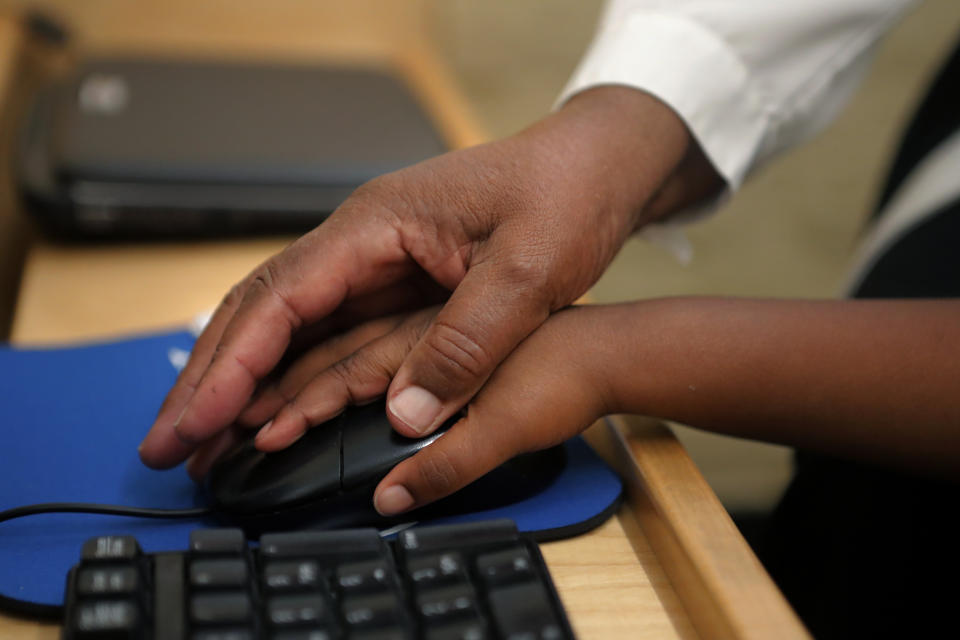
(597, 342)
(624, 145)
(629, 346)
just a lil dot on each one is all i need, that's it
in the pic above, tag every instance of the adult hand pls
(514, 230)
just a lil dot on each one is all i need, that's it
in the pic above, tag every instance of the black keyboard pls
(452, 582)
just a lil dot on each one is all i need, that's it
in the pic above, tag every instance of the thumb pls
(489, 313)
(538, 398)
(493, 431)
(463, 454)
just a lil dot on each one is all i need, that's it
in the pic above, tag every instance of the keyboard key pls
(446, 602)
(303, 574)
(470, 629)
(110, 548)
(469, 582)
(329, 544)
(364, 577)
(218, 541)
(108, 619)
(502, 567)
(222, 572)
(436, 569)
(373, 611)
(457, 536)
(285, 611)
(302, 634)
(224, 634)
(221, 608)
(169, 599)
(382, 634)
(97, 581)
(523, 611)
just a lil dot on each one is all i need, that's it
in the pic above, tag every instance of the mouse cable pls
(105, 509)
(54, 612)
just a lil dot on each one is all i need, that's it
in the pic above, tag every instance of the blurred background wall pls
(257, 28)
(789, 232)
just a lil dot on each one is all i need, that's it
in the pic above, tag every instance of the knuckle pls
(382, 196)
(374, 189)
(350, 368)
(357, 372)
(247, 368)
(459, 357)
(267, 280)
(295, 412)
(438, 475)
(234, 296)
(526, 271)
(264, 276)
(286, 390)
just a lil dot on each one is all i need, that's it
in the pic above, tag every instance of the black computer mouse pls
(326, 479)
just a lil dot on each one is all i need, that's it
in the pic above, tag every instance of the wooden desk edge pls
(13, 228)
(725, 590)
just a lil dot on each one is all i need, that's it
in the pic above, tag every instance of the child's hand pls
(548, 390)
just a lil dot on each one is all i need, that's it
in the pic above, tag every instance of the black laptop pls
(154, 148)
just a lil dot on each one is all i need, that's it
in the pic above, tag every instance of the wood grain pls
(726, 591)
(13, 230)
(613, 585)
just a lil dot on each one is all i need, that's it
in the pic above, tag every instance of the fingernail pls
(176, 429)
(176, 423)
(393, 500)
(264, 429)
(416, 407)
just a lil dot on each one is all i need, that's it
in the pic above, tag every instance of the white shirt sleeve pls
(749, 77)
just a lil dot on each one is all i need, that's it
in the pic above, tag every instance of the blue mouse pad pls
(72, 420)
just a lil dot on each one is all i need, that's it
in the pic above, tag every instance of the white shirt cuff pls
(692, 70)
(701, 78)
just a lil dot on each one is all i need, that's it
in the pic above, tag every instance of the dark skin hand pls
(874, 380)
(504, 233)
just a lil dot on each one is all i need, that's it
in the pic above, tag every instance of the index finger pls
(302, 284)
(161, 448)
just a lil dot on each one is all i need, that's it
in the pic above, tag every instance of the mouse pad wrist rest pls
(73, 417)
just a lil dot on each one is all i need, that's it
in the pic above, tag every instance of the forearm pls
(874, 380)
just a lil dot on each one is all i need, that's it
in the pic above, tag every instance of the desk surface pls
(670, 564)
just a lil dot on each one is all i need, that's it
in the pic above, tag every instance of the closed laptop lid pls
(170, 121)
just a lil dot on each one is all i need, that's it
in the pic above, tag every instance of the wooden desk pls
(670, 564)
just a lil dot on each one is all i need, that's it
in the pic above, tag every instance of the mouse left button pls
(250, 482)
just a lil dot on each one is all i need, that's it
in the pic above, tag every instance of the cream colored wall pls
(308, 28)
